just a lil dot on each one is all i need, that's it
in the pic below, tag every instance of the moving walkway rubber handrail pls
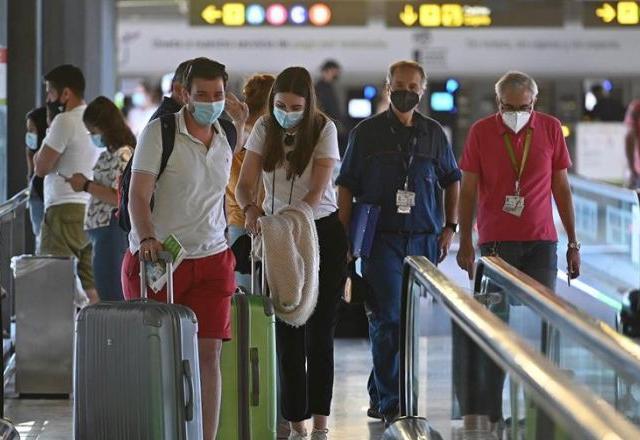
(621, 353)
(15, 201)
(576, 408)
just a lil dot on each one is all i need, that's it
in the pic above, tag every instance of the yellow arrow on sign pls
(408, 16)
(211, 14)
(606, 12)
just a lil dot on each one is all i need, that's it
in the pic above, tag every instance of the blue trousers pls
(36, 214)
(109, 244)
(383, 273)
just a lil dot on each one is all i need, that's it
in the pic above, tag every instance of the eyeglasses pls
(513, 108)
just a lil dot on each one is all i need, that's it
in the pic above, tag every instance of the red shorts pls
(205, 285)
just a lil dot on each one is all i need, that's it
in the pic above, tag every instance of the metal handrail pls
(603, 189)
(581, 412)
(615, 349)
(11, 204)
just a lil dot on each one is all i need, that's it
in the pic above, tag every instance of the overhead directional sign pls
(278, 13)
(473, 14)
(612, 14)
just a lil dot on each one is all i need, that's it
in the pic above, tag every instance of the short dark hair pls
(330, 64)
(67, 76)
(180, 74)
(205, 68)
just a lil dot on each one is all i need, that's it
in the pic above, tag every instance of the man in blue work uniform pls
(398, 160)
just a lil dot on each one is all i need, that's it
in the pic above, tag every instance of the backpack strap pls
(168, 127)
(230, 132)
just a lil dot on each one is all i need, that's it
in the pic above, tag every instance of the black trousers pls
(305, 354)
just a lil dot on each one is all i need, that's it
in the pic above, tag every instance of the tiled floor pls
(52, 419)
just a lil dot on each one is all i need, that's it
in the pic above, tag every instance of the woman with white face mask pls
(295, 148)
(36, 131)
(115, 141)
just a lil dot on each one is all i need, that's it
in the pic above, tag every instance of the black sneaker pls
(389, 418)
(373, 413)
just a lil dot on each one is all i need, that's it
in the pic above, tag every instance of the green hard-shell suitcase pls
(248, 365)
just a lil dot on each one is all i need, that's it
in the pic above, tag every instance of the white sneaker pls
(320, 434)
(295, 435)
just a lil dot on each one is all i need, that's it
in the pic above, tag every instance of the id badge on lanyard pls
(514, 204)
(405, 199)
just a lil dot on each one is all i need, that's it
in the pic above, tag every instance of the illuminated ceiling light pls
(298, 14)
(319, 14)
(255, 14)
(277, 14)
(452, 85)
(370, 92)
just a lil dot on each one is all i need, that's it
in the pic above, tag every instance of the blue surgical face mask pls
(287, 120)
(206, 113)
(98, 141)
(138, 99)
(31, 140)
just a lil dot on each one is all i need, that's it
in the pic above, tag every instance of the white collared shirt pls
(189, 195)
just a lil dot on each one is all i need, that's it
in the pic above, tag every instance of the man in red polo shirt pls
(513, 162)
(632, 142)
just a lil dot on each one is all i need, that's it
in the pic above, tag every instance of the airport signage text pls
(278, 13)
(473, 14)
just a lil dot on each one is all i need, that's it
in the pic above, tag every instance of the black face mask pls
(404, 100)
(56, 107)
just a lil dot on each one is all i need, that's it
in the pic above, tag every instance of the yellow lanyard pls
(518, 169)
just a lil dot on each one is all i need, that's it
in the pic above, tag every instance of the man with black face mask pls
(67, 149)
(398, 160)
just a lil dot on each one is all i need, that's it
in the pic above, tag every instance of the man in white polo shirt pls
(67, 149)
(188, 203)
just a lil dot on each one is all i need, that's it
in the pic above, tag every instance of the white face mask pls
(516, 120)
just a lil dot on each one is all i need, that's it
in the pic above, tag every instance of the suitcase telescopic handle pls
(188, 406)
(168, 259)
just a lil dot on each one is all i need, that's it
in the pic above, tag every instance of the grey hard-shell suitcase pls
(136, 370)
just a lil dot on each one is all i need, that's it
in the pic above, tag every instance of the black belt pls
(405, 232)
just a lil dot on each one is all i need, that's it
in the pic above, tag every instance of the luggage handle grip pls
(186, 368)
(168, 259)
(255, 376)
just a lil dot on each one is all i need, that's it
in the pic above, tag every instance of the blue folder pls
(364, 218)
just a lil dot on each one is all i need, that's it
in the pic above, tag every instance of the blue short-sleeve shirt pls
(382, 153)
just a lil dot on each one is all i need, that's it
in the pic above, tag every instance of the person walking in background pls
(256, 94)
(174, 102)
(295, 148)
(66, 150)
(110, 135)
(36, 132)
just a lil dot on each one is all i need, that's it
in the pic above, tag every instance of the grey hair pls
(516, 80)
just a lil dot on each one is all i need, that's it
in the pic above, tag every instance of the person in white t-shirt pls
(295, 148)
(66, 150)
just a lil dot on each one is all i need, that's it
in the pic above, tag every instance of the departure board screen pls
(278, 13)
(474, 14)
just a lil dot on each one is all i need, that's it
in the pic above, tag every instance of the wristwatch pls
(452, 226)
(574, 245)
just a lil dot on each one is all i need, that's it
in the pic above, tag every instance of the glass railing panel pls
(588, 363)
(475, 378)
(608, 225)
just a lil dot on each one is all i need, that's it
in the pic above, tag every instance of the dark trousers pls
(305, 354)
(478, 380)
